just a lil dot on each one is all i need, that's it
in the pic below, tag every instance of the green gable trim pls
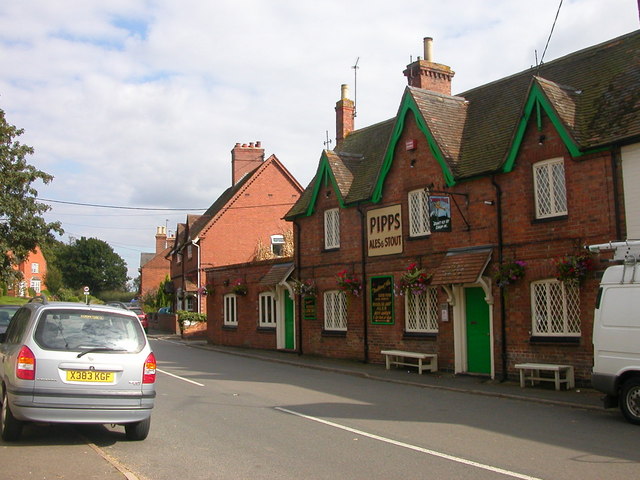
(409, 105)
(538, 100)
(324, 176)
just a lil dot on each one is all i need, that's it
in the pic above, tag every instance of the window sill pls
(550, 219)
(265, 329)
(423, 335)
(334, 333)
(334, 249)
(424, 236)
(229, 327)
(541, 340)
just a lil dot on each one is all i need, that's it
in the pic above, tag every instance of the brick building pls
(247, 216)
(522, 172)
(155, 267)
(34, 271)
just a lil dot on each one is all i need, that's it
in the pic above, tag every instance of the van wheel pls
(630, 400)
(10, 428)
(137, 431)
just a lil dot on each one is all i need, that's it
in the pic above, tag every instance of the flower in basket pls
(414, 281)
(573, 268)
(203, 291)
(509, 272)
(238, 287)
(349, 283)
(305, 289)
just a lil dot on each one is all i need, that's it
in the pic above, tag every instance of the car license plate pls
(89, 376)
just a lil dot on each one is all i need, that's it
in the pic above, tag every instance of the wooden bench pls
(399, 357)
(561, 374)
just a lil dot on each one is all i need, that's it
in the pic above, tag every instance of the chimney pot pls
(344, 92)
(428, 49)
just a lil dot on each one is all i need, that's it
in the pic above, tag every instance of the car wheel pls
(10, 428)
(630, 400)
(137, 431)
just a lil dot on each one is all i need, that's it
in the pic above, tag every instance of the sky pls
(138, 104)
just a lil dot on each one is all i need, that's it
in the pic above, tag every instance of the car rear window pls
(83, 329)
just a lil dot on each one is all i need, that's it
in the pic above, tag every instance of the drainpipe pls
(363, 268)
(503, 310)
(615, 156)
(297, 229)
(198, 296)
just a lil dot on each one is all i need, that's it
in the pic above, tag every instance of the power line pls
(123, 208)
(166, 209)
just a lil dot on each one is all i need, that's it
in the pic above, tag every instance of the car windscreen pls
(5, 315)
(79, 330)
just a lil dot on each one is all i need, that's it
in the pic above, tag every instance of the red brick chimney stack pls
(344, 115)
(244, 159)
(427, 74)
(161, 239)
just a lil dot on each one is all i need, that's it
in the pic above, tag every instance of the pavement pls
(48, 449)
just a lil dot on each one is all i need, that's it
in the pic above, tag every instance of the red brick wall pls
(248, 333)
(153, 273)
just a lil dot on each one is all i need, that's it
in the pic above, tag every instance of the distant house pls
(155, 267)
(246, 218)
(34, 271)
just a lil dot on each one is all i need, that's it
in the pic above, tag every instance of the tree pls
(22, 227)
(93, 263)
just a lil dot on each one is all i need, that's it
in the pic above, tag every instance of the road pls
(221, 416)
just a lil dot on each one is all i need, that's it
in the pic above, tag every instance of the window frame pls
(567, 296)
(267, 310)
(35, 267)
(428, 324)
(418, 227)
(332, 228)
(332, 300)
(555, 209)
(35, 284)
(277, 245)
(230, 310)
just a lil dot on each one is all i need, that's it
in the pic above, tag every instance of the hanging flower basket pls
(573, 268)
(414, 281)
(349, 283)
(304, 289)
(205, 290)
(509, 272)
(239, 287)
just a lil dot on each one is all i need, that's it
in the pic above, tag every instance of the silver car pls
(75, 363)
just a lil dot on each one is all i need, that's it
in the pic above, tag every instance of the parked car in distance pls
(144, 320)
(75, 363)
(6, 312)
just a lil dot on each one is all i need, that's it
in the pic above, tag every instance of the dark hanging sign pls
(440, 213)
(309, 308)
(381, 291)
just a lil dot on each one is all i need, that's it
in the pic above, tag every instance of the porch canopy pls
(462, 266)
(277, 274)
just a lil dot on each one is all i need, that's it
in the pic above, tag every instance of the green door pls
(478, 335)
(289, 341)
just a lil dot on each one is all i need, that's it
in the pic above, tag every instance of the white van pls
(616, 331)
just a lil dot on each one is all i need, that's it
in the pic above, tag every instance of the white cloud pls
(140, 103)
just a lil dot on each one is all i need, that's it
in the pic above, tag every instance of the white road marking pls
(179, 377)
(413, 447)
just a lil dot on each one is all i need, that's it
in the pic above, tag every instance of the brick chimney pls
(244, 159)
(429, 75)
(161, 239)
(345, 109)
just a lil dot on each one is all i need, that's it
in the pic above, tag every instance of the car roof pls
(74, 306)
